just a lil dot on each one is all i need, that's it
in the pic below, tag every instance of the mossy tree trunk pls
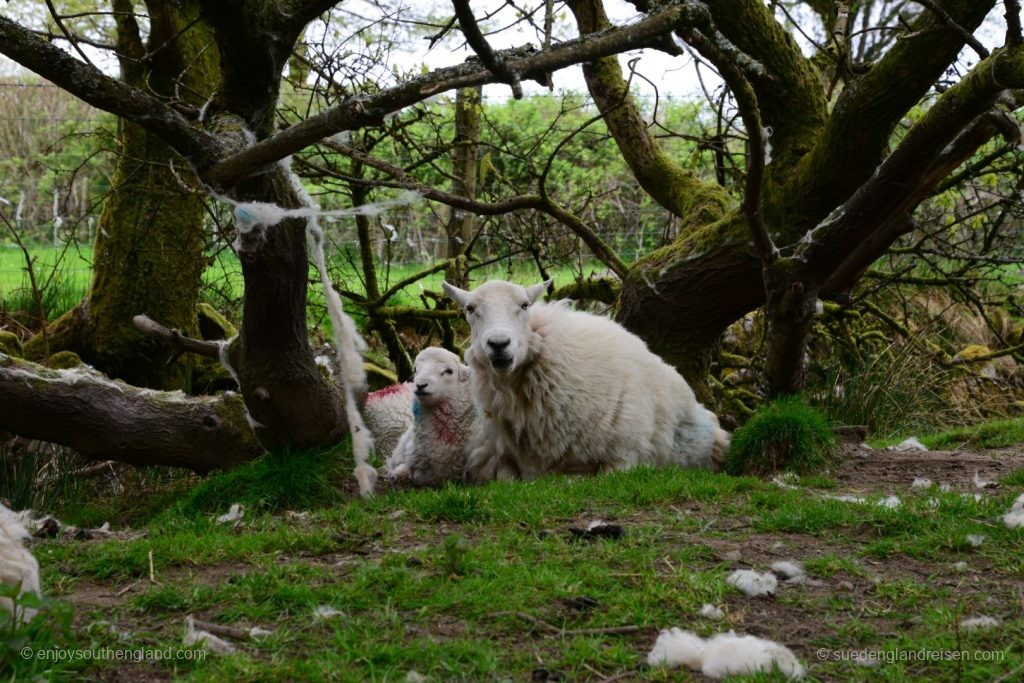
(459, 231)
(149, 251)
(682, 297)
(834, 197)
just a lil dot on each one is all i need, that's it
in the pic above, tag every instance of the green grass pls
(785, 435)
(993, 434)
(64, 279)
(996, 434)
(437, 581)
(284, 480)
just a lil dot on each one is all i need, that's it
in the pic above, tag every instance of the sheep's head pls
(499, 320)
(437, 375)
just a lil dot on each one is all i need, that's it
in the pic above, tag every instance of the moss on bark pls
(149, 252)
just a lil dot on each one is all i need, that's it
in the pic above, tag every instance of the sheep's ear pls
(460, 296)
(463, 372)
(537, 291)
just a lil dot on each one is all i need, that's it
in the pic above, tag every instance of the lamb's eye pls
(524, 305)
(449, 371)
(471, 309)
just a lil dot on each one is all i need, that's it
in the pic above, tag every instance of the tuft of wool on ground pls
(724, 654)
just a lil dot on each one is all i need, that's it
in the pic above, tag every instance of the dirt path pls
(866, 470)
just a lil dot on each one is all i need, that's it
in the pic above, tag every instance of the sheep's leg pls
(398, 462)
(486, 463)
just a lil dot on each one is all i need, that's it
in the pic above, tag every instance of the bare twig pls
(363, 111)
(37, 296)
(551, 628)
(233, 632)
(152, 573)
(1013, 28)
(476, 40)
(948, 21)
(746, 101)
(601, 250)
(175, 339)
(67, 34)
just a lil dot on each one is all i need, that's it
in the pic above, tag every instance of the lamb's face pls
(499, 320)
(438, 374)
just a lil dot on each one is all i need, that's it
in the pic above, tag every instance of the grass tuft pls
(283, 480)
(786, 435)
(995, 434)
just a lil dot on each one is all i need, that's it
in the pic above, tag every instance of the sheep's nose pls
(421, 387)
(499, 344)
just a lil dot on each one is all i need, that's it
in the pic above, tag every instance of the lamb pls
(388, 414)
(559, 390)
(433, 450)
(17, 565)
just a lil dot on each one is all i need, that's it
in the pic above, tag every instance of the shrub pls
(785, 435)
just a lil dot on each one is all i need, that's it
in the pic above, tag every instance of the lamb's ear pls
(463, 372)
(537, 291)
(460, 296)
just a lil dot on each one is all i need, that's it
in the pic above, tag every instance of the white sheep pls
(559, 390)
(17, 565)
(433, 450)
(388, 414)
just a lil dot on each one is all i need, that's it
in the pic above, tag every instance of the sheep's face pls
(499, 319)
(438, 374)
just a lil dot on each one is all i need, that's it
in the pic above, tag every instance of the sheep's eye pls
(449, 371)
(470, 309)
(524, 305)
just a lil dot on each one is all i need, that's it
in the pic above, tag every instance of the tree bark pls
(789, 312)
(148, 256)
(459, 231)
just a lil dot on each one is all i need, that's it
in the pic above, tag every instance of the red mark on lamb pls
(387, 391)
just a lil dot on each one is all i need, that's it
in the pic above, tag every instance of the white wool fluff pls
(890, 502)
(724, 654)
(583, 394)
(205, 639)
(433, 449)
(18, 567)
(975, 623)
(920, 483)
(234, 513)
(846, 498)
(911, 444)
(975, 539)
(326, 612)
(983, 483)
(388, 414)
(752, 583)
(1015, 517)
(711, 612)
(784, 481)
(348, 346)
(787, 569)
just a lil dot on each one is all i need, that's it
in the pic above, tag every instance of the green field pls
(489, 582)
(63, 277)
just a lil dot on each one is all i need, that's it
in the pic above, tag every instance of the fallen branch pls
(551, 628)
(232, 632)
(106, 420)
